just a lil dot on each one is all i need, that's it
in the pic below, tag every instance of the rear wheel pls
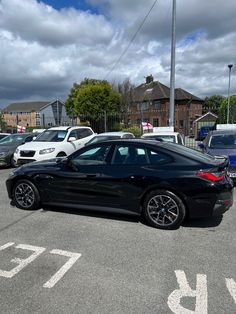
(26, 195)
(163, 209)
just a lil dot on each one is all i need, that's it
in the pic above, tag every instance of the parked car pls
(2, 135)
(54, 142)
(221, 143)
(162, 181)
(173, 137)
(110, 136)
(9, 144)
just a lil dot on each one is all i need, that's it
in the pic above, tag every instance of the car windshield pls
(165, 138)
(223, 141)
(51, 136)
(12, 139)
(101, 138)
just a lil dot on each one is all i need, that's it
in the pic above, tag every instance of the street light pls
(230, 67)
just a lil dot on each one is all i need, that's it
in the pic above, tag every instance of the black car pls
(9, 144)
(163, 181)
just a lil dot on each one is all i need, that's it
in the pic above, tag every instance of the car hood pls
(35, 145)
(6, 148)
(41, 164)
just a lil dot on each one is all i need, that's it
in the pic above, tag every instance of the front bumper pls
(5, 161)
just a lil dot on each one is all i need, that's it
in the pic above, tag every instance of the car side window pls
(92, 156)
(73, 133)
(81, 133)
(158, 158)
(129, 155)
(28, 139)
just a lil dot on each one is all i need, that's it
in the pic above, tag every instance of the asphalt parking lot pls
(61, 261)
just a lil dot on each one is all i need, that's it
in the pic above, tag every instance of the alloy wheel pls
(163, 210)
(24, 195)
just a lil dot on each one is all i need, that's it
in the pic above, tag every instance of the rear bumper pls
(223, 203)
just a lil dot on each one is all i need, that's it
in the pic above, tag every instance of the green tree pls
(2, 122)
(213, 104)
(94, 101)
(232, 110)
(92, 97)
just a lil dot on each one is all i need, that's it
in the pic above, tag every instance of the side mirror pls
(72, 139)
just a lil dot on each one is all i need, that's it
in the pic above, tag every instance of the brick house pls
(150, 103)
(36, 114)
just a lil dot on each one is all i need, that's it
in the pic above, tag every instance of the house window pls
(155, 122)
(157, 104)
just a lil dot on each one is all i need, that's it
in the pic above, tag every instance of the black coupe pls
(164, 182)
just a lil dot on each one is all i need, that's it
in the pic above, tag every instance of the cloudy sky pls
(46, 46)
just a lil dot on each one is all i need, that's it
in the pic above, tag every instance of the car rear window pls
(191, 153)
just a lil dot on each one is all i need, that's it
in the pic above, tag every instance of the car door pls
(125, 177)
(134, 169)
(80, 179)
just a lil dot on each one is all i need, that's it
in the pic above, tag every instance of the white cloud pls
(43, 50)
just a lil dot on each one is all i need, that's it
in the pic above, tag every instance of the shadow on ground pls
(209, 222)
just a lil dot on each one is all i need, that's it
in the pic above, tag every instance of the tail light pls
(211, 176)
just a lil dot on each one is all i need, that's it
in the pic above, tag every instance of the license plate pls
(232, 174)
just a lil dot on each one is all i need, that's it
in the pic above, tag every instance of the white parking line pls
(61, 272)
(22, 262)
(231, 285)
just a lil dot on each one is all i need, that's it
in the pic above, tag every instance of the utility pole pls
(230, 67)
(172, 74)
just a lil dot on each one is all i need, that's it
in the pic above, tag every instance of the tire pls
(61, 154)
(163, 209)
(12, 163)
(26, 195)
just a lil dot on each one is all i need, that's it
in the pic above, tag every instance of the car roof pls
(134, 141)
(159, 133)
(113, 133)
(65, 128)
(221, 132)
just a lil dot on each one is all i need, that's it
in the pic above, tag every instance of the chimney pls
(149, 79)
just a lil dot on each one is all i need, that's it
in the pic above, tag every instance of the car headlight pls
(46, 151)
(17, 151)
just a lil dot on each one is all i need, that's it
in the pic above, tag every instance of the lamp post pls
(230, 67)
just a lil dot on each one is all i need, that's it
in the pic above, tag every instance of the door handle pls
(91, 175)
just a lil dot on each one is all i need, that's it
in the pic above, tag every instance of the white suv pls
(54, 142)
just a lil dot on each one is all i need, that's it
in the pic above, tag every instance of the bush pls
(133, 129)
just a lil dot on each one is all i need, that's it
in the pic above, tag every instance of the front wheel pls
(26, 195)
(163, 209)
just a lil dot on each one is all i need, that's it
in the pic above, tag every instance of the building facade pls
(36, 114)
(150, 103)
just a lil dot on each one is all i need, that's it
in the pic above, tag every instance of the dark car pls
(2, 135)
(9, 144)
(163, 181)
(101, 137)
(222, 143)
